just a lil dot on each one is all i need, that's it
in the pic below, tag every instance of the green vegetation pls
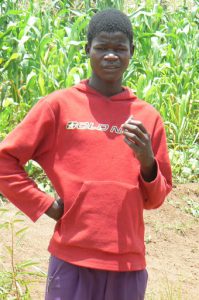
(42, 50)
(16, 278)
(191, 207)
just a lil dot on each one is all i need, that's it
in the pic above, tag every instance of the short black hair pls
(109, 20)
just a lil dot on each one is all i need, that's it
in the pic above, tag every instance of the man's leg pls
(70, 282)
(126, 285)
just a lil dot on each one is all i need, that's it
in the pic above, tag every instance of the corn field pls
(42, 50)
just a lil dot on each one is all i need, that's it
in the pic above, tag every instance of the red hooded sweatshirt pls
(75, 135)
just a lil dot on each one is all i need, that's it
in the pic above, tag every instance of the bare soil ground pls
(172, 241)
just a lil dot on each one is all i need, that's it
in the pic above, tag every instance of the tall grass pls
(17, 276)
(42, 49)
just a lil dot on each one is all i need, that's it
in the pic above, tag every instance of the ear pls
(132, 47)
(87, 49)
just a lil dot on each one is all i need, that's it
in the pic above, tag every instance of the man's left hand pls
(138, 139)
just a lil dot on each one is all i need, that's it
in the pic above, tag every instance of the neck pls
(109, 88)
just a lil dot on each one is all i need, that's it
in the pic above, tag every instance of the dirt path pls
(172, 239)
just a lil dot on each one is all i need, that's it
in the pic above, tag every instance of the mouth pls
(111, 67)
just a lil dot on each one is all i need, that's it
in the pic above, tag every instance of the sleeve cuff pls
(158, 174)
(42, 208)
(154, 192)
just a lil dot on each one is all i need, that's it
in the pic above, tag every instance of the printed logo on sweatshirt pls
(71, 125)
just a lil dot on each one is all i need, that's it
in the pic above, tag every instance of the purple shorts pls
(70, 282)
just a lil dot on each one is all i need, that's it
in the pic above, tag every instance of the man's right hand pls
(56, 210)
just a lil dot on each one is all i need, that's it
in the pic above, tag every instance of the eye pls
(120, 49)
(100, 48)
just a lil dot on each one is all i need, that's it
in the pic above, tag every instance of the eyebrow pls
(105, 43)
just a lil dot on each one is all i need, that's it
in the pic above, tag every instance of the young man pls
(105, 152)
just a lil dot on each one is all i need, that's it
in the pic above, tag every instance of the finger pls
(135, 123)
(129, 119)
(60, 202)
(134, 138)
(135, 130)
(131, 144)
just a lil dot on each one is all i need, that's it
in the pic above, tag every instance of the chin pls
(111, 78)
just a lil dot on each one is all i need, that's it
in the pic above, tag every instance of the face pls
(109, 55)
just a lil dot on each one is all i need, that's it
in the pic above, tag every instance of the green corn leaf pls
(41, 84)
(19, 232)
(26, 264)
(9, 249)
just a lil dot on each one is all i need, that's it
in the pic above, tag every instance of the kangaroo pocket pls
(105, 216)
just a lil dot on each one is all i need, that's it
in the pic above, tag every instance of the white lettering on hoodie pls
(71, 125)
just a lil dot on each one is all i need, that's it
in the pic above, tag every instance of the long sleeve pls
(155, 192)
(31, 139)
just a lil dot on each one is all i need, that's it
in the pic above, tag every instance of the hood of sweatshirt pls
(126, 94)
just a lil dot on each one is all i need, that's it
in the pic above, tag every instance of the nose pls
(110, 56)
